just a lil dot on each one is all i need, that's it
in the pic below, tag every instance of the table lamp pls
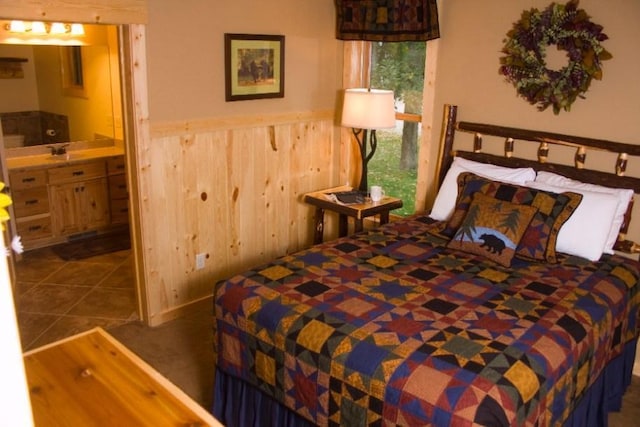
(365, 110)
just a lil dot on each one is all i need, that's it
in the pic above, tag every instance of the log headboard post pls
(446, 141)
(546, 142)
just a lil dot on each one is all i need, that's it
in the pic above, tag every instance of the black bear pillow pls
(493, 228)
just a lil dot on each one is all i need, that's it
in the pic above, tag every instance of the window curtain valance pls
(387, 20)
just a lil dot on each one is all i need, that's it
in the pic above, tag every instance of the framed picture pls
(254, 66)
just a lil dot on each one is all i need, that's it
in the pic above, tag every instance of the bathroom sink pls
(67, 157)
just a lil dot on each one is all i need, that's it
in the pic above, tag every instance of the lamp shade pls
(368, 109)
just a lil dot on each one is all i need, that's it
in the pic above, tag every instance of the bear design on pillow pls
(493, 243)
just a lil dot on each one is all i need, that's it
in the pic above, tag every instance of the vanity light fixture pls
(366, 110)
(41, 28)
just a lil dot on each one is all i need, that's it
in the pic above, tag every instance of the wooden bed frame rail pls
(546, 141)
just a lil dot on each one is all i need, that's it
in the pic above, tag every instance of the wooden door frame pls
(133, 77)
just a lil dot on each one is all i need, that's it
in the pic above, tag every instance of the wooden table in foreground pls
(91, 379)
(357, 211)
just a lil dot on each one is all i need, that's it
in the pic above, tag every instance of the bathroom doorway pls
(62, 290)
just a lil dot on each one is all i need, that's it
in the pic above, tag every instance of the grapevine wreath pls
(524, 64)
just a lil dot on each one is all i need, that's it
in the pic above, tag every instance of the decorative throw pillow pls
(539, 240)
(445, 201)
(624, 197)
(492, 228)
(585, 233)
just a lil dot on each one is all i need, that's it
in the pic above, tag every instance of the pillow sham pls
(586, 232)
(624, 197)
(445, 201)
(539, 240)
(492, 228)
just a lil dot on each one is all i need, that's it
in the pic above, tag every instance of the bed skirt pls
(238, 404)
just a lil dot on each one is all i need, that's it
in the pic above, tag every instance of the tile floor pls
(57, 298)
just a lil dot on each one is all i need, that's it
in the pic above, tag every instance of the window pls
(399, 66)
(72, 71)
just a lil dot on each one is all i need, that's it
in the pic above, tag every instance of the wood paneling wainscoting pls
(231, 189)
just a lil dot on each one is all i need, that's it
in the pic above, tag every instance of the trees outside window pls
(399, 67)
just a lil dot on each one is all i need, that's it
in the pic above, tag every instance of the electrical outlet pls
(200, 259)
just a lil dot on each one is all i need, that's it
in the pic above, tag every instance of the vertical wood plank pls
(240, 191)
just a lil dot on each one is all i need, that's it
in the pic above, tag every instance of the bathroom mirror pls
(63, 94)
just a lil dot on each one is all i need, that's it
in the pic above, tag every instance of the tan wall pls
(469, 51)
(468, 61)
(19, 94)
(251, 160)
(185, 46)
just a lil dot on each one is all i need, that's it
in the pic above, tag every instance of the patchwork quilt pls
(391, 327)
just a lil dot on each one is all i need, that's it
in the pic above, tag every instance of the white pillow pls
(586, 231)
(623, 195)
(446, 199)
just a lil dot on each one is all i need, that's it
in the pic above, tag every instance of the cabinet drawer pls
(21, 180)
(115, 165)
(31, 202)
(34, 228)
(80, 172)
(118, 187)
(120, 211)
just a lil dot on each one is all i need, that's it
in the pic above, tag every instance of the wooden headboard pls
(545, 141)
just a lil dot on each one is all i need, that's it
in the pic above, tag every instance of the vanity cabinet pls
(79, 198)
(55, 202)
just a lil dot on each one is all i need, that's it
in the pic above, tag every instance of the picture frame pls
(254, 66)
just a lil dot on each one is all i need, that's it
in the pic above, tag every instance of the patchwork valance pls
(387, 20)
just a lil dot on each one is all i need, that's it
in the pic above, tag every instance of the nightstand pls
(357, 211)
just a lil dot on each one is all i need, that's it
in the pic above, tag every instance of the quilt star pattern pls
(391, 327)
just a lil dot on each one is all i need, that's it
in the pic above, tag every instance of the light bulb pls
(38, 27)
(17, 27)
(58, 28)
(77, 29)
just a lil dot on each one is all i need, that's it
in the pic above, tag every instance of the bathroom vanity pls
(61, 197)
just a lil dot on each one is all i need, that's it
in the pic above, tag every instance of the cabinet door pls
(64, 213)
(79, 206)
(93, 204)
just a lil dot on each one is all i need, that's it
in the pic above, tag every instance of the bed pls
(488, 311)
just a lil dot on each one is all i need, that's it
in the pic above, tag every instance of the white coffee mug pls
(376, 193)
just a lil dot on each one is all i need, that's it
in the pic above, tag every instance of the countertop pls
(72, 156)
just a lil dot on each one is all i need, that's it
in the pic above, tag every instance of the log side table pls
(357, 211)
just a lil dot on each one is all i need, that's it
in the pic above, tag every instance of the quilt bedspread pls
(389, 327)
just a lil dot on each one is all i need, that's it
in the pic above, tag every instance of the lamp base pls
(365, 137)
